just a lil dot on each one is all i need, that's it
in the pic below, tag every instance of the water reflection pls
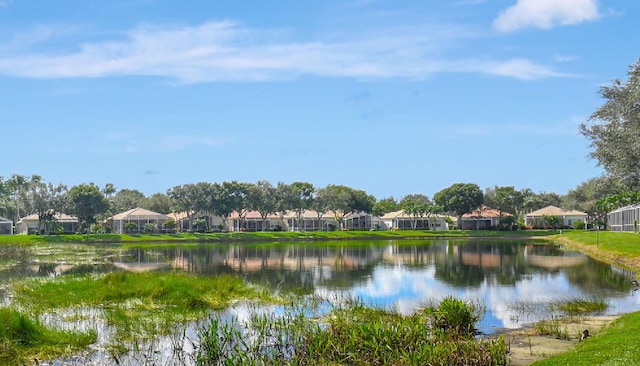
(405, 275)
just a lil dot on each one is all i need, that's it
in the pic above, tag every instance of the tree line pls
(25, 195)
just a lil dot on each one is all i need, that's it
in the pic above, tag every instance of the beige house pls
(483, 218)
(567, 218)
(182, 221)
(121, 223)
(6, 226)
(400, 220)
(252, 221)
(309, 221)
(31, 224)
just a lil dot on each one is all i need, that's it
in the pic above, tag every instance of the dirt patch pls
(526, 347)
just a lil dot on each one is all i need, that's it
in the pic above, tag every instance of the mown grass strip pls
(615, 345)
(264, 236)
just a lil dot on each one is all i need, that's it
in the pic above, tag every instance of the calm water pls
(513, 280)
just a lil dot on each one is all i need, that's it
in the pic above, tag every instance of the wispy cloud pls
(131, 142)
(4, 3)
(227, 51)
(546, 14)
(565, 129)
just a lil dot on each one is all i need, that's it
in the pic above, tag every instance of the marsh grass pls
(566, 312)
(149, 290)
(137, 306)
(555, 327)
(351, 334)
(580, 306)
(22, 339)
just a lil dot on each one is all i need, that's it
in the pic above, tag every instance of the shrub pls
(579, 225)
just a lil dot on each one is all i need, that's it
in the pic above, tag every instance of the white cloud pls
(522, 69)
(546, 14)
(226, 51)
(4, 3)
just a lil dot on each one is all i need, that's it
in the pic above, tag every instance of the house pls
(199, 221)
(401, 220)
(134, 220)
(31, 224)
(361, 221)
(483, 218)
(6, 226)
(309, 221)
(252, 221)
(624, 219)
(566, 218)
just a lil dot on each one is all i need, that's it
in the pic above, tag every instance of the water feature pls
(513, 281)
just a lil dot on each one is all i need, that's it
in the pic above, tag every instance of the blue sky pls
(392, 97)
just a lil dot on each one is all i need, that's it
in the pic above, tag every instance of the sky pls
(393, 97)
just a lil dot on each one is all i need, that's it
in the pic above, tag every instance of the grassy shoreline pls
(269, 236)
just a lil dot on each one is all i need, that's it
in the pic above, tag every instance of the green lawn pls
(615, 345)
(263, 236)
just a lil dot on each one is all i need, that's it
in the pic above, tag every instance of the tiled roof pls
(485, 212)
(60, 217)
(555, 211)
(139, 214)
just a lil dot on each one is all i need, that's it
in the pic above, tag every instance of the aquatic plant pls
(351, 334)
(23, 339)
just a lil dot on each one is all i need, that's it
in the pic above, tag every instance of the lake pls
(513, 281)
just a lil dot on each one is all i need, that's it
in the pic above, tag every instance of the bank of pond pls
(439, 302)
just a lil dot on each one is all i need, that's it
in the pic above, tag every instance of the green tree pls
(302, 195)
(585, 197)
(87, 201)
(459, 199)
(109, 190)
(614, 128)
(127, 199)
(504, 199)
(157, 202)
(385, 205)
(263, 198)
(415, 205)
(7, 206)
(46, 200)
(17, 184)
(187, 198)
(342, 200)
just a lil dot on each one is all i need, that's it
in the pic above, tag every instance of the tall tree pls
(157, 202)
(504, 199)
(415, 205)
(302, 195)
(262, 198)
(127, 199)
(614, 129)
(185, 198)
(17, 184)
(459, 199)
(585, 197)
(87, 201)
(46, 200)
(6, 203)
(385, 205)
(338, 199)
